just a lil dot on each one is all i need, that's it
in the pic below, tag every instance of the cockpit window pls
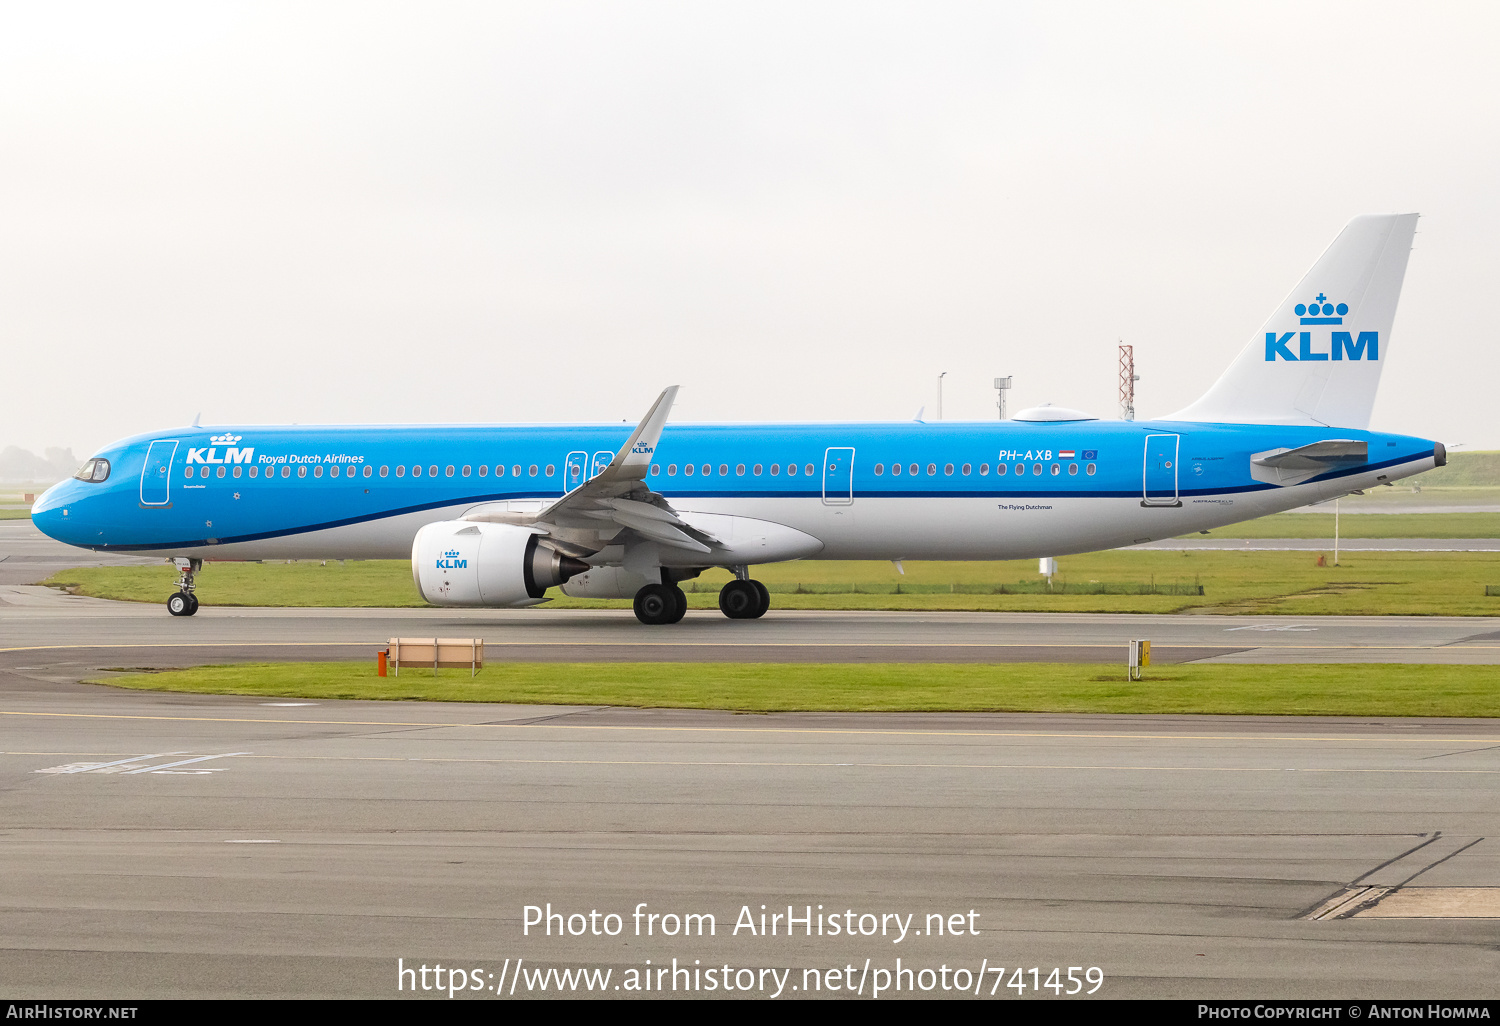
(94, 470)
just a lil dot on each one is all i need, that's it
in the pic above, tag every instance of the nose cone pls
(54, 514)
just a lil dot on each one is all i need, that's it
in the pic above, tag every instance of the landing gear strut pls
(185, 603)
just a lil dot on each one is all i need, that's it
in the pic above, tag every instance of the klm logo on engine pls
(450, 561)
(1340, 344)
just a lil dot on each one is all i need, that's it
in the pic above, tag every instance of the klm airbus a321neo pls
(496, 515)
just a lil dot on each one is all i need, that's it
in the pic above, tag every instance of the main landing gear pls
(740, 599)
(744, 599)
(660, 604)
(185, 603)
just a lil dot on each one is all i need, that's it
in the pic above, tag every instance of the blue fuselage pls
(905, 490)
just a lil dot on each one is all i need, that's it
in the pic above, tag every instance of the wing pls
(615, 501)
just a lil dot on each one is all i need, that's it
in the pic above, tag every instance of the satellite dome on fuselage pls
(1047, 413)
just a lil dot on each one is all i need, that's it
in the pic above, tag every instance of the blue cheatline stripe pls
(816, 494)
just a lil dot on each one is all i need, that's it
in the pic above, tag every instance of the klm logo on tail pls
(1340, 343)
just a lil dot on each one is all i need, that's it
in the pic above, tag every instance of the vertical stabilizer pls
(1318, 359)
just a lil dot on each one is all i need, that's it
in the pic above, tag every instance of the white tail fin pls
(1318, 359)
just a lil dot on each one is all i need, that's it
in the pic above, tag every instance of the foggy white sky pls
(321, 212)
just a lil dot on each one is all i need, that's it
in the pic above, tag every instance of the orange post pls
(380, 658)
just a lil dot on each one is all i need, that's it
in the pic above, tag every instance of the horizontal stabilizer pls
(1293, 466)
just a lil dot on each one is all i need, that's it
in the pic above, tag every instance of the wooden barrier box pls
(438, 653)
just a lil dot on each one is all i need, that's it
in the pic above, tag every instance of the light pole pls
(940, 394)
(1002, 385)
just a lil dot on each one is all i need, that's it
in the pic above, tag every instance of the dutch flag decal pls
(1066, 454)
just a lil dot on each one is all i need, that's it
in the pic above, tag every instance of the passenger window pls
(775, 469)
(416, 470)
(739, 470)
(791, 470)
(687, 468)
(948, 470)
(1001, 469)
(932, 470)
(317, 471)
(499, 469)
(1036, 470)
(967, 469)
(757, 470)
(724, 470)
(707, 470)
(655, 469)
(287, 471)
(808, 470)
(515, 470)
(448, 471)
(237, 471)
(1056, 469)
(896, 469)
(913, 470)
(1090, 470)
(1072, 470)
(432, 471)
(466, 470)
(984, 470)
(186, 472)
(400, 471)
(302, 471)
(671, 470)
(254, 471)
(879, 469)
(551, 470)
(532, 470)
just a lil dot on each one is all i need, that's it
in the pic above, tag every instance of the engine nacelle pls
(462, 563)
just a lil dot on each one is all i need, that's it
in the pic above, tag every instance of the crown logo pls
(224, 439)
(1320, 311)
(450, 553)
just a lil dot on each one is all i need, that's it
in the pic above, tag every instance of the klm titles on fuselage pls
(1341, 343)
(232, 455)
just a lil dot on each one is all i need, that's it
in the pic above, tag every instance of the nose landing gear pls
(185, 603)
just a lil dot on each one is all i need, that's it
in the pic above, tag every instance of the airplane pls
(495, 515)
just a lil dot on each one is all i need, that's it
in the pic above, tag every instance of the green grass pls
(1304, 690)
(1464, 469)
(16, 514)
(1368, 583)
(1373, 525)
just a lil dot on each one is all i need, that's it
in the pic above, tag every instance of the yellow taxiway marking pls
(1362, 739)
(1206, 643)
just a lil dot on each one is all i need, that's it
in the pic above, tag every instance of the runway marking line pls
(863, 765)
(82, 768)
(751, 730)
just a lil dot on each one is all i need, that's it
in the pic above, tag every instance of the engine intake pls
(461, 563)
